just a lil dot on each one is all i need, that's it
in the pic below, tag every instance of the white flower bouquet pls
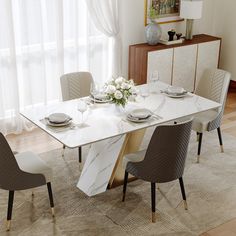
(119, 90)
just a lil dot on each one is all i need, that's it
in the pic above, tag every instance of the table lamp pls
(190, 10)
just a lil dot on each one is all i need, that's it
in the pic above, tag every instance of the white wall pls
(133, 29)
(218, 19)
(224, 24)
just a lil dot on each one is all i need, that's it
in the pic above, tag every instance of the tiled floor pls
(45, 143)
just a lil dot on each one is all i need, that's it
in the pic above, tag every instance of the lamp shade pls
(191, 9)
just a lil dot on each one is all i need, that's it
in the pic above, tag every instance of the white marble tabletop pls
(104, 121)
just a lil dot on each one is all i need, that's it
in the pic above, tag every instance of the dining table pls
(108, 132)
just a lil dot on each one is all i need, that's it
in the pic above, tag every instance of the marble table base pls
(99, 165)
(103, 165)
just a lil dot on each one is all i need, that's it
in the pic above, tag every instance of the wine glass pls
(144, 92)
(94, 90)
(82, 107)
(154, 78)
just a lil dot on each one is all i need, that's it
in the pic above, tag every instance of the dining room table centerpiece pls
(119, 90)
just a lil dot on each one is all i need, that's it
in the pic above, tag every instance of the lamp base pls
(189, 29)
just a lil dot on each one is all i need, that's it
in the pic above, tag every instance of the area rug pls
(210, 188)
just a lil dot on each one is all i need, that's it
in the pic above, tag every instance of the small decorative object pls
(153, 30)
(119, 90)
(190, 10)
(178, 35)
(167, 42)
(167, 11)
(171, 34)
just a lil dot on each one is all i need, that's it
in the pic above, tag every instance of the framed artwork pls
(167, 10)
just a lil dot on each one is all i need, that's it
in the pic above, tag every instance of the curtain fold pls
(105, 16)
(40, 40)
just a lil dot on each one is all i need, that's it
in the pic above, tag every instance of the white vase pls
(153, 33)
(118, 109)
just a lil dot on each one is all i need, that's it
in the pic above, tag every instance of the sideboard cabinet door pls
(184, 68)
(161, 61)
(208, 57)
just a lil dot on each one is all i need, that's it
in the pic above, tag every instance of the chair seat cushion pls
(133, 157)
(31, 163)
(202, 120)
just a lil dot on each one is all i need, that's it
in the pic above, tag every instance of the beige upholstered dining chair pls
(213, 85)
(75, 85)
(163, 161)
(20, 172)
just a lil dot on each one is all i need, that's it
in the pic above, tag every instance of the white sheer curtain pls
(40, 40)
(105, 15)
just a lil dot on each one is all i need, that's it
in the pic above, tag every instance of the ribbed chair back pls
(214, 85)
(75, 85)
(165, 157)
(11, 176)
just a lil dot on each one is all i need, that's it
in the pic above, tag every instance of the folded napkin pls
(99, 97)
(138, 118)
(176, 91)
(141, 113)
(58, 118)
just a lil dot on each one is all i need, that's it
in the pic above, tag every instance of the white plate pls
(140, 113)
(137, 120)
(99, 101)
(58, 125)
(175, 90)
(58, 118)
(176, 96)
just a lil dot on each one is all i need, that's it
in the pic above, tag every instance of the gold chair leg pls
(185, 205)
(53, 211)
(222, 148)
(8, 225)
(153, 217)
(198, 159)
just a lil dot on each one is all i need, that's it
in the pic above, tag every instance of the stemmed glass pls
(94, 90)
(154, 78)
(144, 92)
(82, 107)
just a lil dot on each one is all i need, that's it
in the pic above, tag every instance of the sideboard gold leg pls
(131, 144)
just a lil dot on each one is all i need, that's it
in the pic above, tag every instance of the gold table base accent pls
(131, 144)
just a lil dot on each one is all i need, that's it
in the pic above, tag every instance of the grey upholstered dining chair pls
(213, 85)
(75, 85)
(163, 161)
(20, 172)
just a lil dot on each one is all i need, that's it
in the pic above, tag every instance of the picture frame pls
(168, 10)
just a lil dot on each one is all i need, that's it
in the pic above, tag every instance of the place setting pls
(98, 95)
(141, 115)
(175, 92)
(58, 122)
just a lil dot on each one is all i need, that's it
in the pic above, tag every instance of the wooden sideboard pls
(179, 64)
